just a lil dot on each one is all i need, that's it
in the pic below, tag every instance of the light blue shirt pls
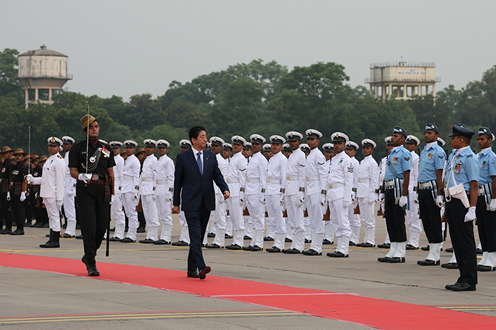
(432, 158)
(399, 161)
(487, 166)
(465, 168)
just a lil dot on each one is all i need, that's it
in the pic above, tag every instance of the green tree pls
(9, 85)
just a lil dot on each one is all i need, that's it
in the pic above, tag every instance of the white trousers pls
(315, 214)
(69, 208)
(165, 216)
(218, 219)
(256, 210)
(274, 209)
(367, 212)
(128, 201)
(53, 213)
(118, 215)
(295, 214)
(339, 217)
(412, 215)
(149, 204)
(236, 213)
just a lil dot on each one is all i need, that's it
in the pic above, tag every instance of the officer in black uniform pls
(17, 191)
(4, 188)
(94, 188)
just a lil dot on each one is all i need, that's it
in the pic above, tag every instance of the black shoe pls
(397, 260)
(268, 239)
(337, 254)
(214, 246)
(37, 224)
(194, 274)
(326, 241)
(450, 265)
(308, 240)
(425, 248)
(450, 286)
(463, 287)
(449, 250)
(79, 237)
(18, 232)
(210, 235)
(484, 268)
(50, 244)
(45, 225)
(273, 249)
(127, 240)
(384, 259)
(147, 241)
(312, 252)
(411, 247)
(291, 251)
(384, 246)
(5, 231)
(68, 236)
(428, 262)
(78, 226)
(47, 235)
(64, 226)
(246, 237)
(233, 247)
(114, 239)
(141, 230)
(350, 243)
(365, 245)
(112, 229)
(162, 242)
(180, 243)
(247, 248)
(204, 271)
(256, 248)
(227, 236)
(288, 240)
(90, 267)
(479, 251)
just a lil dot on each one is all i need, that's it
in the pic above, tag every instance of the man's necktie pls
(199, 162)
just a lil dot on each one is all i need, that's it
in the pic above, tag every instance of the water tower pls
(41, 72)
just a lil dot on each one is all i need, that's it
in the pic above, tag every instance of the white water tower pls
(42, 72)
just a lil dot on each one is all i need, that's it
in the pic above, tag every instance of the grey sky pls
(132, 47)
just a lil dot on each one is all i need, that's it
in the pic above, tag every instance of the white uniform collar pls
(430, 145)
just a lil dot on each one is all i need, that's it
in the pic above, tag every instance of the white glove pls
(262, 199)
(8, 195)
(281, 200)
(403, 201)
(470, 215)
(23, 196)
(440, 200)
(59, 204)
(36, 195)
(112, 200)
(347, 204)
(83, 177)
(241, 199)
(415, 199)
(136, 200)
(322, 199)
(492, 206)
(382, 197)
(29, 178)
(301, 199)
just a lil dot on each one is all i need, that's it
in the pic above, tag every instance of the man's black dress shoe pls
(79, 237)
(227, 236)
(350, 243)
(308, 240)
(484, 268)
(147, 241)
(5, 231)
(450, 286)
(19, 232)
(50, 245)
(68, 236)
(213, 246)
(113, 239)
(233, 247)
(397, 260)
(337, 254)
(204, 271)
(450, 265)
(268, 239)
(246, 237)
(291, 251)
(425, 248)
(326, 241)
(311, 252)
(384, 259)
(90, 267)
(463, 287)
(247, 248)
(210, 235)
(127, 240)
(194, 274)
(180, 243)
(364, 244)
(288, 240)
(162, 242)
(449, 250)
(141, 230)
(428, 262)
(479, 251)
(384, 246)
(256, 248)
(273, 249)
(411, 247)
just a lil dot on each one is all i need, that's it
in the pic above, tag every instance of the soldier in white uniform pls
(247, 153)
(329, 227)
(70, 191)
(315, 191)
(236, 180)
(412, 215)
(355, 223)
(339, 194)
(308, 228)
(274, 193)
(256, 182)
(226, 154)
(184, 238)
(368, 187)
(116, 207)
(382, 172)
(295, 193)
(130, 190)
(52, 189)
(147, 186)
(163, 192)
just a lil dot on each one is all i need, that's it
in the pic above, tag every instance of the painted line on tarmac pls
(469, 308)
(286, 294)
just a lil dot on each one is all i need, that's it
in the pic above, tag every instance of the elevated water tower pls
(42, 72)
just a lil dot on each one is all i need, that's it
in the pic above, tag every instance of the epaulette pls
(59, 156)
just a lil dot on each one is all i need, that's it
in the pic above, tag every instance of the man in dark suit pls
(196, 170)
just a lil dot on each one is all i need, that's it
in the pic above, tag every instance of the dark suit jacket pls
(192, 186)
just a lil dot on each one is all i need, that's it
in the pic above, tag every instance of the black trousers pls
(94, 216)
(395, 218)
(431, 216)
(462, 237)
(197, 224)
(4, 208)
(18, 210)
(486, 221)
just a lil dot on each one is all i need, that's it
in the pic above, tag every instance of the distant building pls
(402, 80)
(42, 72)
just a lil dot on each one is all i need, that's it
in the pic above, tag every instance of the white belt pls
(232, 180)
(482, 191)
(252, 180)
(161, 181)
(292, 177)
(425, 185)
(127, 177)
(389, 183)
(146, 179)
(269, 180)
(312, 178)
(335, 185)
(363, 180)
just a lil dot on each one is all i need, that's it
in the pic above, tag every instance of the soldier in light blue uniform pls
(430, 193)
(486, 202)
(396, 181)
(461, 190)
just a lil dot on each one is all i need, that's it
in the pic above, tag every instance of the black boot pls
(53, 242)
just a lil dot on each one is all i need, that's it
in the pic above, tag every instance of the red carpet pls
(378, 313)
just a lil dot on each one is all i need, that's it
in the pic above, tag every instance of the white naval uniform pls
(295, 179)
(116, 207)
(412, 215)
(147, 187)
(339, 193)
(382, 173)
(52, 188)
(69, 198)
(236, 179)
(218, 216)
(276, 179)
(368, 182)
(354, 219)
(130, 181)
(329, 227)
(256, 182)
(163, 193)
(316, 182)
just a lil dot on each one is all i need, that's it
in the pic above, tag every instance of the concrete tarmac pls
(42, 300)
